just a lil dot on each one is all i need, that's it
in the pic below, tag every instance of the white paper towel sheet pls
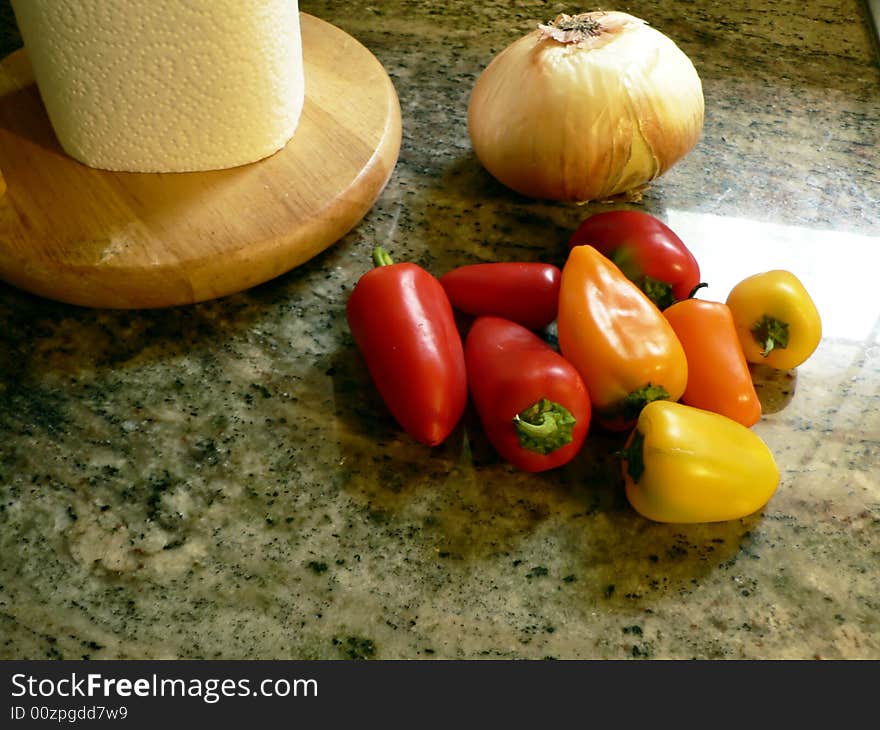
(166, 85)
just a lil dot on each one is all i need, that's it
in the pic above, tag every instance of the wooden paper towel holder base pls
(136, 240)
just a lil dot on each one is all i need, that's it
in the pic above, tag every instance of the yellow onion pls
(585, 107)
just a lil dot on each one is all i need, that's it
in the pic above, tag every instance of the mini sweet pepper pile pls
(638, 353)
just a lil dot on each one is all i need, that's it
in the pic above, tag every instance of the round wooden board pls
(137, 240)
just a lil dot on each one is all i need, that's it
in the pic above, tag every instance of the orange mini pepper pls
(719, 379)
(619, 341)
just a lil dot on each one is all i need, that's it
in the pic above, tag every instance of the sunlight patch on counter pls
(838, 268)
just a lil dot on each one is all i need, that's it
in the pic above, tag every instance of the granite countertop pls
(222, 481)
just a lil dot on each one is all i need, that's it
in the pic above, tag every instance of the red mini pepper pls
(524, 292)
(532, 403)
(402, 322)
(647, 251)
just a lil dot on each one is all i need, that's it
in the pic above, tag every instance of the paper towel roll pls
(165, 85)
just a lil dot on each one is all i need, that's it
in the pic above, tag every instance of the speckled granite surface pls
(221, 480)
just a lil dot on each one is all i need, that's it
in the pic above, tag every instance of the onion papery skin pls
(586, 121)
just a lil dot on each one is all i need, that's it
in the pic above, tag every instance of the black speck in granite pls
(355, 647)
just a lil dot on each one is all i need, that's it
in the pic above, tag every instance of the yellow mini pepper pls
(683, 464)
(776, 320)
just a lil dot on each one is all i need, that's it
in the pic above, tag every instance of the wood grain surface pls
(137, 240)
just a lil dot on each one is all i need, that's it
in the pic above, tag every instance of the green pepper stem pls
(633, 403)
(381, 257)
(541, 430)
(771, 333)
(659, 292)
(696, 289)
(634, 456)
(544, 426)
(624, 259)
